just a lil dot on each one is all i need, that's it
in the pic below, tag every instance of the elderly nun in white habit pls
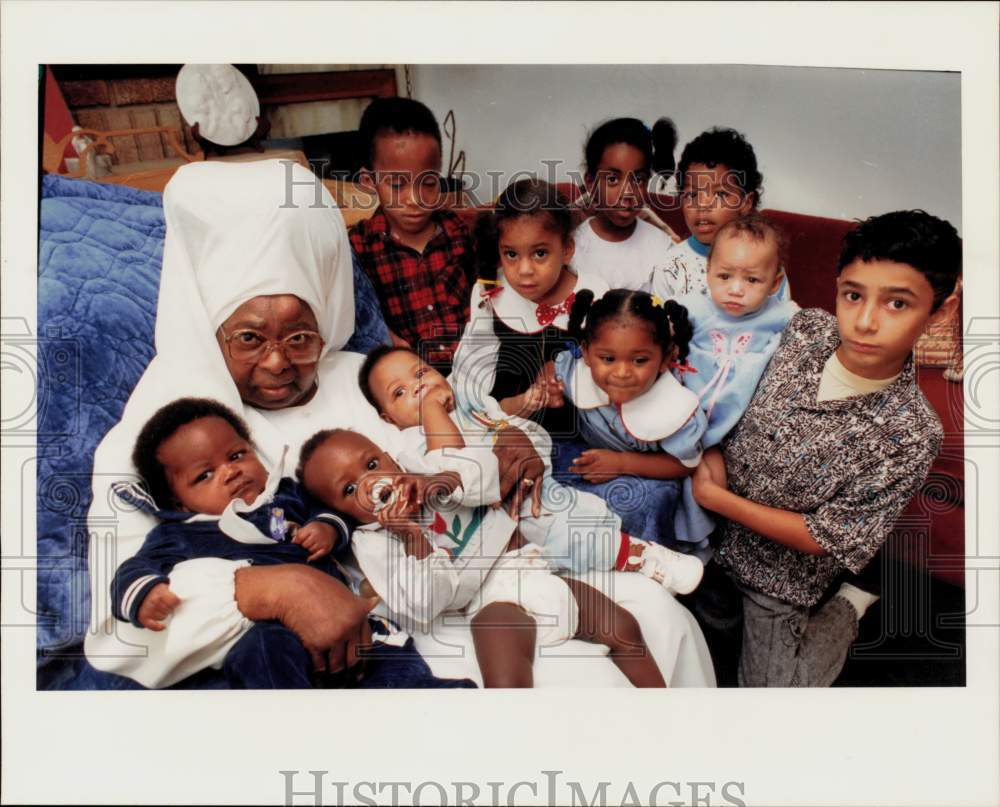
(247, 244)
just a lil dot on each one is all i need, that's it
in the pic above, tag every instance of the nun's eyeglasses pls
(250, 346)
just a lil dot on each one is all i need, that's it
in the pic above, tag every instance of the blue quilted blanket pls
(100, 251)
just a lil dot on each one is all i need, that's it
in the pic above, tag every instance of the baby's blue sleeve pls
(164, 548)
(685, 443)
(785, 290)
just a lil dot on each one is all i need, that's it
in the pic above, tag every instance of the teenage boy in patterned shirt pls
(417, 254)
(834, 444)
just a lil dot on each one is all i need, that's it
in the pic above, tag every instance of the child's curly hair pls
(726, 147)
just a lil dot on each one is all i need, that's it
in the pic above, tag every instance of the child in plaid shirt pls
(835, 442)
(417, 254)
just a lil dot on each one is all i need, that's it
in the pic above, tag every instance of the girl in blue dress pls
(638, 418)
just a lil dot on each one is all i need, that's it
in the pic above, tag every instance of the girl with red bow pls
(520, 314)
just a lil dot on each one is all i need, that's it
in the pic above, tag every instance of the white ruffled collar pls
(654, 415)
(239, 529)
(522, 315)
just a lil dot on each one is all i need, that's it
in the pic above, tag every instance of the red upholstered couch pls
(931, 533)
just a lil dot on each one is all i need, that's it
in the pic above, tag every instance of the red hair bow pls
(490, 292)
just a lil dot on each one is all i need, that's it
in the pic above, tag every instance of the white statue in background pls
(220, 100)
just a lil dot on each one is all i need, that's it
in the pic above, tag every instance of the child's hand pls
(551, 385)
(317, 538)
(597, 465)
(533, 399)
(525, 404)
(704, 486)
(441, 398)
(413, 538)
(716, 465)
(158, 604)
(546, 391)
(403, 504)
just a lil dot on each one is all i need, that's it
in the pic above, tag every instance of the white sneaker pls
(676, 572)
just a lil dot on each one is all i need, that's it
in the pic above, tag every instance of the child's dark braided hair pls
(657, 144)
(526, 197)
(672, 329)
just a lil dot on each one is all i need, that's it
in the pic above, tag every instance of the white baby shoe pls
(676, 572)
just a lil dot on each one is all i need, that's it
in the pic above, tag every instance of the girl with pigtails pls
(623, 240)
(632, 410)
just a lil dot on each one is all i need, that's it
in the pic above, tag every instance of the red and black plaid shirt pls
(424, 297)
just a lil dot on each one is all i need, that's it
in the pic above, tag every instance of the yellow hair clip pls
(657, 301)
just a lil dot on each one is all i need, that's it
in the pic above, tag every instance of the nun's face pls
(277, 377)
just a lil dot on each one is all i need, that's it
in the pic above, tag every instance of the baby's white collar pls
(654, 415)
(239, 529)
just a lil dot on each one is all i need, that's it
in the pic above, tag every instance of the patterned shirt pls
(684, 270)
(424, 297)
(849, 466)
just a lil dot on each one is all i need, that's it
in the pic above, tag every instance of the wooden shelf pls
(299, 88)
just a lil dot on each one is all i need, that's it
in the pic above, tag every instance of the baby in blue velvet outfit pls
(203, 480)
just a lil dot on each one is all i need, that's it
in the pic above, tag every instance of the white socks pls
(860, 600)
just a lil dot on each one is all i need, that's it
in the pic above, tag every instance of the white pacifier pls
(377, 493)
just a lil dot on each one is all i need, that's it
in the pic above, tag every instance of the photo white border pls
(843, 746)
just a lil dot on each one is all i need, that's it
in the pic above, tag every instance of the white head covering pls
(234, 231)
(244, 230)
